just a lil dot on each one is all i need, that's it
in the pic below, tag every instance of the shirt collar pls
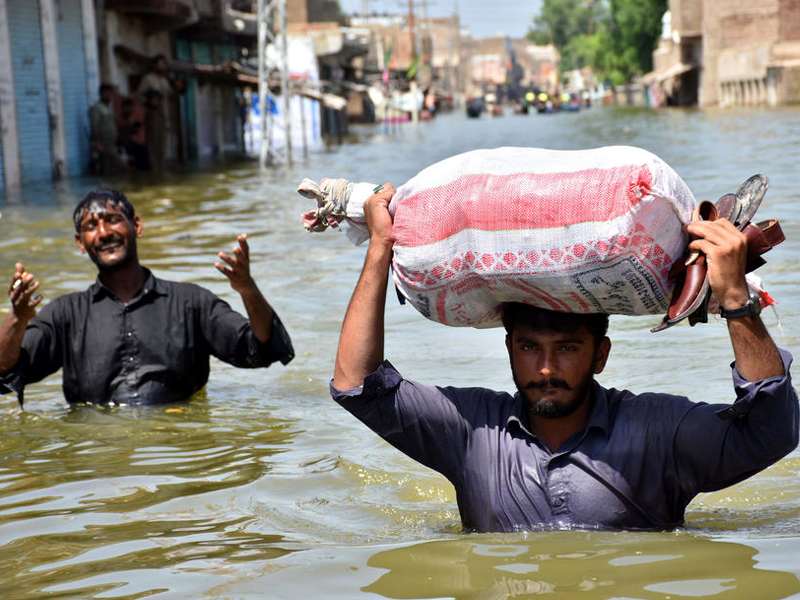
(598, 418)
(152, 284)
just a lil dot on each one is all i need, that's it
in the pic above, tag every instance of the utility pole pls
(269, 13)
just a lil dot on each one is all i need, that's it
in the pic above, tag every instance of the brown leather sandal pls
(691, 293)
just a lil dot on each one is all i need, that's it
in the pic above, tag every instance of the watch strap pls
(751, 309)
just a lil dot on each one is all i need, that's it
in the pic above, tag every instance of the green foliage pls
(615, 38)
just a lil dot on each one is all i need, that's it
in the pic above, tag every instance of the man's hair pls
(127, 102)
(541, 318)
(96, 202)
(106, 87)
(156, 58)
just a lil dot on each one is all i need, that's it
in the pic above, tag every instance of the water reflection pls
(579, 565)
(89, 490)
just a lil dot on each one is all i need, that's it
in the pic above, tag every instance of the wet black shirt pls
(154, 350)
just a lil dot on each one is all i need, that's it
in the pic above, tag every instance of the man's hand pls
(238, 269)
(238, 273)
(23, 305)
(376, 211)
(20, 291)
(725, 248)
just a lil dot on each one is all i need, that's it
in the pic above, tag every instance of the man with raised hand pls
(133, 338)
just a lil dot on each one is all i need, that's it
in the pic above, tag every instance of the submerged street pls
(261, 486)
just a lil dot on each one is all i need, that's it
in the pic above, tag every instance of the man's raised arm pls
(725, 248)
(23, 309)
(259, 312)
(361, 342)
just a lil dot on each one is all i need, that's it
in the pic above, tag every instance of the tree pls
(637, 26)
(614, 37)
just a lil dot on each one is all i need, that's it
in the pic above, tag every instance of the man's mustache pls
(551, 382)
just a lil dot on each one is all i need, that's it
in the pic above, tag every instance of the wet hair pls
(549, 320)
(97, 201)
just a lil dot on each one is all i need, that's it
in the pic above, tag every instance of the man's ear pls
(601, 355)
(79, 242)
(138, 226)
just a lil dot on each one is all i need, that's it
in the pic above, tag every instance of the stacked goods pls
(574, 231)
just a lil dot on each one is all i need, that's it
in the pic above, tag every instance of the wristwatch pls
(752, 309)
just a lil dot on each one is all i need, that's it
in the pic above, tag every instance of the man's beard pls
(547, 408)
(129, 253)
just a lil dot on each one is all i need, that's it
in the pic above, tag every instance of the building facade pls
(48, 80)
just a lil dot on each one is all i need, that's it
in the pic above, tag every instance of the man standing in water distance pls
(565, 451)
(132, 338)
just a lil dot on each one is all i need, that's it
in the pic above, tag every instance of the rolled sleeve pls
(278, 347)
(13, 382)
(747, 391)
(717, 446)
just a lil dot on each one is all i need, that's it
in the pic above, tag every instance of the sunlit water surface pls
(261, 487)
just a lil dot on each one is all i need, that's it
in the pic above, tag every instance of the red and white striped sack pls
(574, 231)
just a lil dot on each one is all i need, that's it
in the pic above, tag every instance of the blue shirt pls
(153, 350)
(637, 464)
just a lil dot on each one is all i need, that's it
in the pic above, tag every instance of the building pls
(48, 80)
(715, 52)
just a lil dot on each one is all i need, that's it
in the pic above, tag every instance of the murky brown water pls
(261, 487)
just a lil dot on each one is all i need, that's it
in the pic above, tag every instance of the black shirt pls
(154, 350)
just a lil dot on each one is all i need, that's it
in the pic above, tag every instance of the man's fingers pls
(222, 269)
(244, 245)
(228, 259)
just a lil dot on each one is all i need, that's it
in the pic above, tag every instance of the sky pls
(483, 18)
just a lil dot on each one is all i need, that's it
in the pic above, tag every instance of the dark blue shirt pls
(637, 464)
(155, 349)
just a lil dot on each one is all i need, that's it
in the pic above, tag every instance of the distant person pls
(132, 136)
(104, 133)
(565, 451)
(133, 338)
(156, 131)
(167, 84)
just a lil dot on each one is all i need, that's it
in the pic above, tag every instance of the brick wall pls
(753, 27)
(687, 16)
(789, 20)
(296, 11)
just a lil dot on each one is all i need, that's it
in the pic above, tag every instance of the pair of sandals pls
(692, 292)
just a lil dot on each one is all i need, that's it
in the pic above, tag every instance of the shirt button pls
(558, 502)
(129, 334)
(130, 359)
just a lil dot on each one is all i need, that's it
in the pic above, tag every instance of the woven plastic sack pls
(574, 231)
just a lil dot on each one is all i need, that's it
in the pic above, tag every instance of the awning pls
(673, 71)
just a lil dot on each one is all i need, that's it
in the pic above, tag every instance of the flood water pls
(262, 487)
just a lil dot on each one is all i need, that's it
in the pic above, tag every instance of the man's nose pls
(547, 364)
(102, 228)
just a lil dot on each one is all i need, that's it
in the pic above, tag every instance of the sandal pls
(691, 295)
